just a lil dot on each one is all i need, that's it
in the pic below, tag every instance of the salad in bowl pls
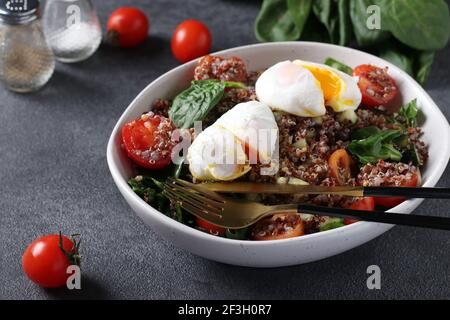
(292, 122)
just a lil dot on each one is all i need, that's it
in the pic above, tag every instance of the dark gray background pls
(54, 176)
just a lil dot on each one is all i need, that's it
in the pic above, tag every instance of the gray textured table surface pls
(54, 176)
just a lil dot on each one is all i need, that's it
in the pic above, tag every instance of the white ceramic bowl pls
(279, 252)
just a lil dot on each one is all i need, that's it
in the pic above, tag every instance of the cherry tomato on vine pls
(376, 85)
(127, 27)
(191, 40)
(46, 259)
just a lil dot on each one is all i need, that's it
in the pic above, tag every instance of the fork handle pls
(432, 222)
(408, 192)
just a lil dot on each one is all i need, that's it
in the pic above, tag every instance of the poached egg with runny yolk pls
(288, 87)
(340, 90)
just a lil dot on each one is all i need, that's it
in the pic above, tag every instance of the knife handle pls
(408, 192)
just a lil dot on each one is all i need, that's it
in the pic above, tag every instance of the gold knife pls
(250, 187)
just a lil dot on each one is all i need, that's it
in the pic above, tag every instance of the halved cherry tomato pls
(340, 164)
(376, 85)
(278, 226)
(366, 203)
(190, 40)
(148, 140)
(45, 263)
(127, 27)
(395, 201)
(209, 227)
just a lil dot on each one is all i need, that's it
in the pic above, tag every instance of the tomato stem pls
(73, 256)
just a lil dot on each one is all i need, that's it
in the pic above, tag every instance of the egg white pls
(288, 87)
(253, 123)
(340, 90)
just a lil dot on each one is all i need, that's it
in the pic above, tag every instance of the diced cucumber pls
(349, 115)
(331, 223)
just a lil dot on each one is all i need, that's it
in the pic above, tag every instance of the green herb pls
(377, 146)
(194, 103)
(324, 11)
(365, 133)
(410, 30)
(238, 234)
(423, 25)
(364, 36)
(412, 155)
(149, 190)
(299, 10)
(338, 65)
(398, 58)
(331, 223)
(424, 62)
(409, 113)
(275, 22)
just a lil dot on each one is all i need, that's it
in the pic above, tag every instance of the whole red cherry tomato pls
(46, 259)
(376, 85)
(190, 40)
(127, 27)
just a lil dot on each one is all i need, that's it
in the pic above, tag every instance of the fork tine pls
(194, 193)
(213, 195)
(212, 218)
(201, 206)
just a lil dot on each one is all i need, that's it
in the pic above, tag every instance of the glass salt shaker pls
(26, 61)
(72, 29)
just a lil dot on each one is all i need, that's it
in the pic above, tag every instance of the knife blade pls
(250, 187)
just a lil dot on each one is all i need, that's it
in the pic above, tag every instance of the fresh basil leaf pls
(365, 133)
(364, 35)
(399, 59)
(338, 65)
(378, 146)
(300, 10)
(423, 25)
(409, 113)
(194, 103)
(275, 23)
(345, 28)
(323, 10)
(425, 61)
(234, 84)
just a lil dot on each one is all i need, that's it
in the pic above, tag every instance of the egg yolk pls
(331, 84)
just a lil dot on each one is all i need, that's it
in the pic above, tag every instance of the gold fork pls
(235, 214)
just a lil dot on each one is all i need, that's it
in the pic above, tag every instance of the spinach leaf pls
(358, 14)
(300, 10)
(425, 61)
(365, 133)
(338, 65)
(345, 29)
(399, 59)
(423, 25)
(323, 10)
(194, 103)
(409, 113)
(376, 147)
(275, 22)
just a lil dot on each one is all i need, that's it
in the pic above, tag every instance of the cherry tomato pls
(340, 164)
(376, 85)
(45, 263)
(278, 226)
(209, 227)
(127, 27)
(395, 201)
(367, 203)
(148, 140)
(190, 40)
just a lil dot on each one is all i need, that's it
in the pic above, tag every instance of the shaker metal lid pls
(18, 11)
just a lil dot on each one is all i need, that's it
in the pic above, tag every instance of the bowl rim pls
(178, 226)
